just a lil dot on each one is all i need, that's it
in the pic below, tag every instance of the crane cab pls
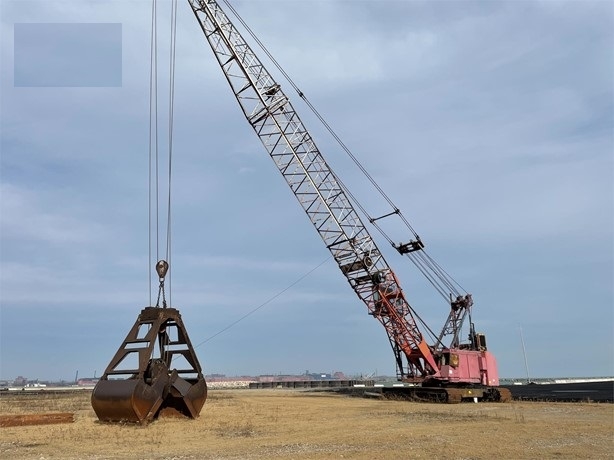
(477, 367)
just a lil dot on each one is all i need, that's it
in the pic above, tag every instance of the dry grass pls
(265, 424)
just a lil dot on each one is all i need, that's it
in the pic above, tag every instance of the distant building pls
(215, 376)
(318, 376)
(20, 381)
(307, 376)
(35, 385)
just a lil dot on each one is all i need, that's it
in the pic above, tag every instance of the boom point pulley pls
(161, 269)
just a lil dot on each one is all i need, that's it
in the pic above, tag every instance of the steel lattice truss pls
(316, 187)
(458, 312)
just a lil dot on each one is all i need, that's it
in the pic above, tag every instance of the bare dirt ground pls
(269, 424)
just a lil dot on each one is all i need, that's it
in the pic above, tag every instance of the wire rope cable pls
(154, 201)
(171, 107)
(265, 303)
(438, 277)
(152, 145)
(317, 114)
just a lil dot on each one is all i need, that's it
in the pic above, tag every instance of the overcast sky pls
(490, 124)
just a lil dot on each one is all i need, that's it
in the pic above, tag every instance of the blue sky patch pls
(68, 55)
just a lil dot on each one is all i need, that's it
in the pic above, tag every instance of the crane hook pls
(161, 269)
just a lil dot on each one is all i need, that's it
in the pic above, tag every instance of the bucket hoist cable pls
(155, 150)
(140, 392)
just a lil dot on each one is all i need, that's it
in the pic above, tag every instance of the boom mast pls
(316, 187)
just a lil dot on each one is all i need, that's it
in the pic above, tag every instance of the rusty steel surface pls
(140, 383)
(505, 395)
(36, 419)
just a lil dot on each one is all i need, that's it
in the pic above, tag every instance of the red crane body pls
(327, 203)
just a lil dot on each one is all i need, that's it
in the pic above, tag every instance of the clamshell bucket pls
(138, 387)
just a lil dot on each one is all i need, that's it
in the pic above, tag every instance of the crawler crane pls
(445, 370)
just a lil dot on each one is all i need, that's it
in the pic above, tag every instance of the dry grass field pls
(269, 424)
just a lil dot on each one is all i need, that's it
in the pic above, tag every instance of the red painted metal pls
(331, 209)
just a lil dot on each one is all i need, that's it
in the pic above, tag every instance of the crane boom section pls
(273, 118)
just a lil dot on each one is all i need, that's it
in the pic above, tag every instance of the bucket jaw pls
(138, 387)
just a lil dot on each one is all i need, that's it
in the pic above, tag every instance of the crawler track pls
(557, 392)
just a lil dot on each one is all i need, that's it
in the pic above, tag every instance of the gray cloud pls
(488, 123)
